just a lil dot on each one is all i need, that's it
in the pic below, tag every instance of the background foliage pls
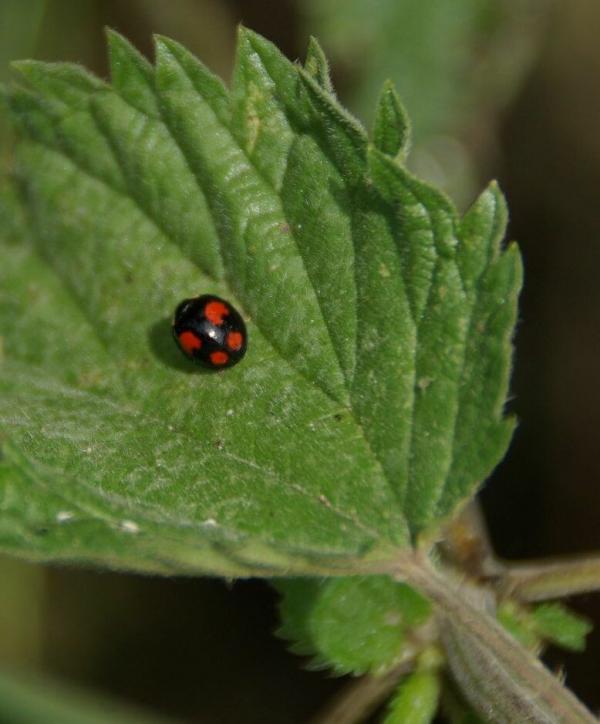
(153, 641)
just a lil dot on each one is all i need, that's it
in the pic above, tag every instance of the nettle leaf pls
(369, 404)
(352, 624)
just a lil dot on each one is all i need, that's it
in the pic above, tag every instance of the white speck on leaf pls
(128, 526)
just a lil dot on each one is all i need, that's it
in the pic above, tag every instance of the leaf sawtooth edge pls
(311, 80)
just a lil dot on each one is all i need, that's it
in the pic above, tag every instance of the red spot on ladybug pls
(215, 311)
(219, 358)
(209, 331)
(234, 340)
(189, 342)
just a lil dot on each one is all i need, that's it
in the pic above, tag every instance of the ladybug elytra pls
(209, 331)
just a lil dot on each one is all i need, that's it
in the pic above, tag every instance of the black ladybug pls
(210, 331)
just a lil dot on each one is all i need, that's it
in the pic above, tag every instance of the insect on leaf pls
(369, 404)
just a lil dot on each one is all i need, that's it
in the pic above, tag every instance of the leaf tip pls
(314, 46)
(24, 66)
(165, 50)
(168, 50)
(167, 45)
(248, 38)
(494, 190)
(392, 129)
(243, 46)
(31, 70)
(160, 41)
(317, 65)
(328, 104)
(514, 252)
(119, 45)
(112, 35)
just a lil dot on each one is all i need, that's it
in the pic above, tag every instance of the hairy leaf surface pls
(369, 404)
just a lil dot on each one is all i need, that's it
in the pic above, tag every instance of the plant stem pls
(558, 578)
(468, 546)
(467, 543)
(501, 679)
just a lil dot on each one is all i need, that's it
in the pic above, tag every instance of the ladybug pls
(209, 331)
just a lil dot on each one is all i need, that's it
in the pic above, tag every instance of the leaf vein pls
(268, 182)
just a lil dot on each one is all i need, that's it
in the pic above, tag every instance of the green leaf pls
(369, 404)
(317, 66)
(456, 66)
(555, 623)
(462, 293)
(391, 132)
(352, 625)
(547, 623)
(132, 76)
(30, 701)
(416, 700)
(518, 622)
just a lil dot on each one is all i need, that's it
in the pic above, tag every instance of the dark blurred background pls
(495, 89)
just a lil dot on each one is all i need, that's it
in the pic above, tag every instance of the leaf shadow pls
(162, 344)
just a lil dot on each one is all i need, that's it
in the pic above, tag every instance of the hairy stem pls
(468, 546)
(501, 679)
(467, 543)
(543, 580)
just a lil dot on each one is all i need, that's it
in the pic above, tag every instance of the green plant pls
(369, 406)
(456, 66)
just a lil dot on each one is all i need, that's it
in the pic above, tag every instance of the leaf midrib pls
(437, 242)
(264, 178)
(271, 186)
(358, 422)
(200, 187)
(438, 261)
(471, 304)
(73, 293)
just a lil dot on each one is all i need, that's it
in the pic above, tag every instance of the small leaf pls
(448, 60)
(518, 622)
(499, 678)
(391, 132)
(547, 623)
(352, 625)
(555, 623)
(317, 66)
(416, 700)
